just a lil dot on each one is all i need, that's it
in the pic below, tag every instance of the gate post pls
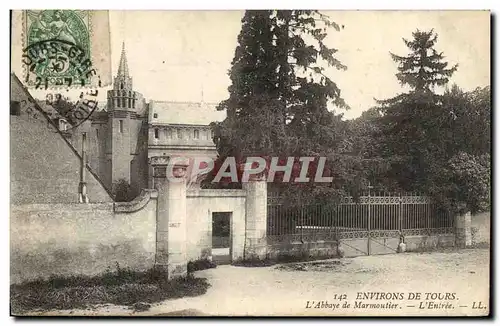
(463, 235)
(171, 216)
(256, 218)
(368, 244)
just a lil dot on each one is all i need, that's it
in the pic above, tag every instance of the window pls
(159, 172)
(121, 86)
(196, 134)
(129, 102)
(63, 125)
(121, 126)
(155, 115)
(97, 133)
(123, 102)
(179, 133)
(157, 133)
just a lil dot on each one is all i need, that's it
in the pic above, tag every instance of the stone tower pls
(121, 107)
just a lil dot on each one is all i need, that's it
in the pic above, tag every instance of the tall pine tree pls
(410, 131)
(250, 125)
(278, 82)
(423, 68)
(280, 95)
(305, 91)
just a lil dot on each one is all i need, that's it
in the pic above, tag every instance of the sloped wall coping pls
(138, 203)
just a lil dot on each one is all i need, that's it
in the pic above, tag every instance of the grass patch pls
(121, 287)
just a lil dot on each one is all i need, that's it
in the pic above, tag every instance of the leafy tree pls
(470, 181)
(437, 144)
(363, 155)
(464, 177)
(465, 123)
(63, 106)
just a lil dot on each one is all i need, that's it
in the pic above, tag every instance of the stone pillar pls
(256, 218)
(150, 177)
(171, 216)
(463, 236)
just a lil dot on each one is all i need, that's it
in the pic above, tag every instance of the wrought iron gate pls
(371, 225)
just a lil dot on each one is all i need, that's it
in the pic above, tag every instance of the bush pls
(199, 265)
(123, 191)
(471, 180)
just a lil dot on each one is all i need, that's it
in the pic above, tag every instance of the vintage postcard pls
(250, 163)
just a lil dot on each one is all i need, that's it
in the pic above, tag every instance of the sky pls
(185, 55)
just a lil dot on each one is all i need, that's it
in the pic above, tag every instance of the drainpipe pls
(83, 185)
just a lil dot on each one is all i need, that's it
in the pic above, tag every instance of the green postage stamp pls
(65, 48)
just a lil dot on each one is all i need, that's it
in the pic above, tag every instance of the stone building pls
(123, 136)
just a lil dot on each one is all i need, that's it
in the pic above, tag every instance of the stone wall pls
(429, 242)
(317, 249)
(72, 239)
(480, 224)
(355, 247)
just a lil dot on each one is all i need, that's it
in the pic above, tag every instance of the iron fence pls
(377, 216)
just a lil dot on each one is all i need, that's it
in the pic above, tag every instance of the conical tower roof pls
(123, 67)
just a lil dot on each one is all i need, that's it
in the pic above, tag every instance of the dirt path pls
(285, 291)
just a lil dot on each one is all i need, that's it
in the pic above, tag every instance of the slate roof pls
(187, 113)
